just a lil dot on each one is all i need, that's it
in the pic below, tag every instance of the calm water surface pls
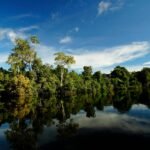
(80, 130)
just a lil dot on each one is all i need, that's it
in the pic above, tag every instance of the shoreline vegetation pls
(28, 82)
(33, 95)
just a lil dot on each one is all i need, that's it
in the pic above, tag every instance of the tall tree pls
(23, 55)
(62, 60)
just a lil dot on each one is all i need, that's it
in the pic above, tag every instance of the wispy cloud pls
(117, 5)
(8, 33)
(25, 29)
(133, 68)
(12, 34)
(65, 40)
(73, 30)
(138, 67)
(22, 16)
(105, 6)
(110, 119)
(46, 53)
(4, 57)
(104, 59)
(112, 56)
(147, 63)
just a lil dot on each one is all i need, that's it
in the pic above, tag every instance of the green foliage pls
(21, 136)
(38, 92)
(20, 94)
(62, 61)
(46, 81)
(97, 76)
(28, 78)
(22, 56)
(87, 73)
(4, 77)
(121, 73)
(120, 78)
(34, 39)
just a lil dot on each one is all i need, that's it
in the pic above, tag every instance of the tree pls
(67, 129)
(121, 73)
(144, 77)
(22, 136)
(73, 82)
(22, 56)
(20, 95)
(63, 61)
(120, 78)
(4, 78)
(87, 73)
(46, 81)
(97, 76)
(34, 40)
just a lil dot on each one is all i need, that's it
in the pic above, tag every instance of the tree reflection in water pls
(21, 136)
(26, 128)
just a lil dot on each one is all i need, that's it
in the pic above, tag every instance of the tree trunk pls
(61, 77)
(63, 110)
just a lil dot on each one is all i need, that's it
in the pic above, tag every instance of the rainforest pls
(35, 96)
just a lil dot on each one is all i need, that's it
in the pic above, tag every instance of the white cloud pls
(147, 63)
(25, 29)
(104, 59)
(118, 5)
(46, 53)
(65, 40)
(110, 119)
(3, 32)
(8, 33)
(22, 16)
(3, 57)
(112, 56)
(12, 34)
(137, 67)
(73, 30)
(105, 6)
(132, 68)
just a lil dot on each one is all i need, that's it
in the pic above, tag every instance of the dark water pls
(107, 128)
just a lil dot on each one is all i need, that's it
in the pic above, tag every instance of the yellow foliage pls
(22, 88)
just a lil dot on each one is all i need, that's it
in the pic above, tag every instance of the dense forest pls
(29, 83)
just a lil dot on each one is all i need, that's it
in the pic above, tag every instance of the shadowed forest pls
(31, 91)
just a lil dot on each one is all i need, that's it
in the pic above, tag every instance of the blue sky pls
(101, 33)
